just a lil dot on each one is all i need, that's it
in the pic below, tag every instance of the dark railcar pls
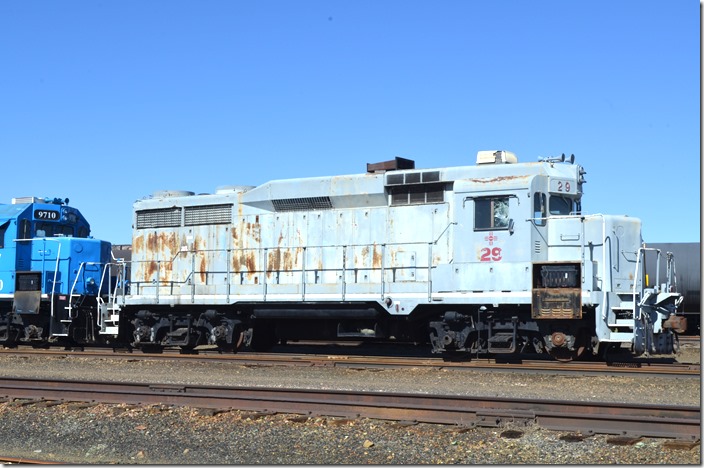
(688, 267)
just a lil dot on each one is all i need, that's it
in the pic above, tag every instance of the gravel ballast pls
(102, 434)
(105, 434)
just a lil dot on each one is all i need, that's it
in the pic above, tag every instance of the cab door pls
(538, 227)
(27, 283)
(8, 249)
(488, 246)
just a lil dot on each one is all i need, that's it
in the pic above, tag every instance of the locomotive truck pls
(493, 258)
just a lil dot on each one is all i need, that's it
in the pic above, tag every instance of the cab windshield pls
(560, 205)
(53, 230)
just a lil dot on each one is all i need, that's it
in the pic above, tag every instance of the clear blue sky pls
(105, 102)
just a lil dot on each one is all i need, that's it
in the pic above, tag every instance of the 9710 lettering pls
(46, 214)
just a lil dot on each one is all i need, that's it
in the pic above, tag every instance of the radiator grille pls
(162, 217)
(301, 204)
(209, 214)
(417, 194)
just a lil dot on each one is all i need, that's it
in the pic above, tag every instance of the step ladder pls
(108, 317)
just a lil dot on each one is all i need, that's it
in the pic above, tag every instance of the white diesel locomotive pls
(493, 258)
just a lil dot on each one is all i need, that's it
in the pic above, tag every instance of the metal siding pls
(627, 234)
(565, 239)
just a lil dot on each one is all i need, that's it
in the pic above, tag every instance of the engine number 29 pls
(488, 254)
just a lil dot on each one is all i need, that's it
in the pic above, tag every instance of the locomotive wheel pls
(563, 354)
(566, 355)
(233, 347)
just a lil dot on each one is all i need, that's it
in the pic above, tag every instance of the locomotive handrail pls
(309, 247)
(637, 307)
(444, 231)
(73, 287)
(53, 282)
(670, 274)
(112, 295)
(668, 284)
(303, 269)
(671, 271)
(75, 282)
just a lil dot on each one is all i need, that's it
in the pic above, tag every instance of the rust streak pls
(496, 179)
(137, 244)
(365, 255)
(149, 271)
(292, 259)
(152, 242)
(198, 243)
(376, 257)
(274, 261)
(288, 260)
(251, 263)
(237, 261)
(203, 268)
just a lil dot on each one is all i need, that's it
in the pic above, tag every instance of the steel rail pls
(26, 461)
(389, 362)
(626, 419)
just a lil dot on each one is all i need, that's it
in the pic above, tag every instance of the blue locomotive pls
(54, 278)
(493, 258)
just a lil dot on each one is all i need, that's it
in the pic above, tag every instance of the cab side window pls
(540, 211)
(3, 231)
(491, 213)
(25, 229)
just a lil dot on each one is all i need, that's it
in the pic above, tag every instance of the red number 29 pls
(489, 255)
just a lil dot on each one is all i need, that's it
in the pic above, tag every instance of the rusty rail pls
(359, 361)
(26, 461)
(626, 419)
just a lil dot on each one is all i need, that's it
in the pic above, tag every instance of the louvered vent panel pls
(163, 217)
(417, 194)
(301, 204)
(210, 214)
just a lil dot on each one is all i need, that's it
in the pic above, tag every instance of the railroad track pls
(624, 419)
(690, 340)
(632, 367)
(25, 461)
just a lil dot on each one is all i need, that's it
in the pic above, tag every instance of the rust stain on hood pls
(496, 180)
